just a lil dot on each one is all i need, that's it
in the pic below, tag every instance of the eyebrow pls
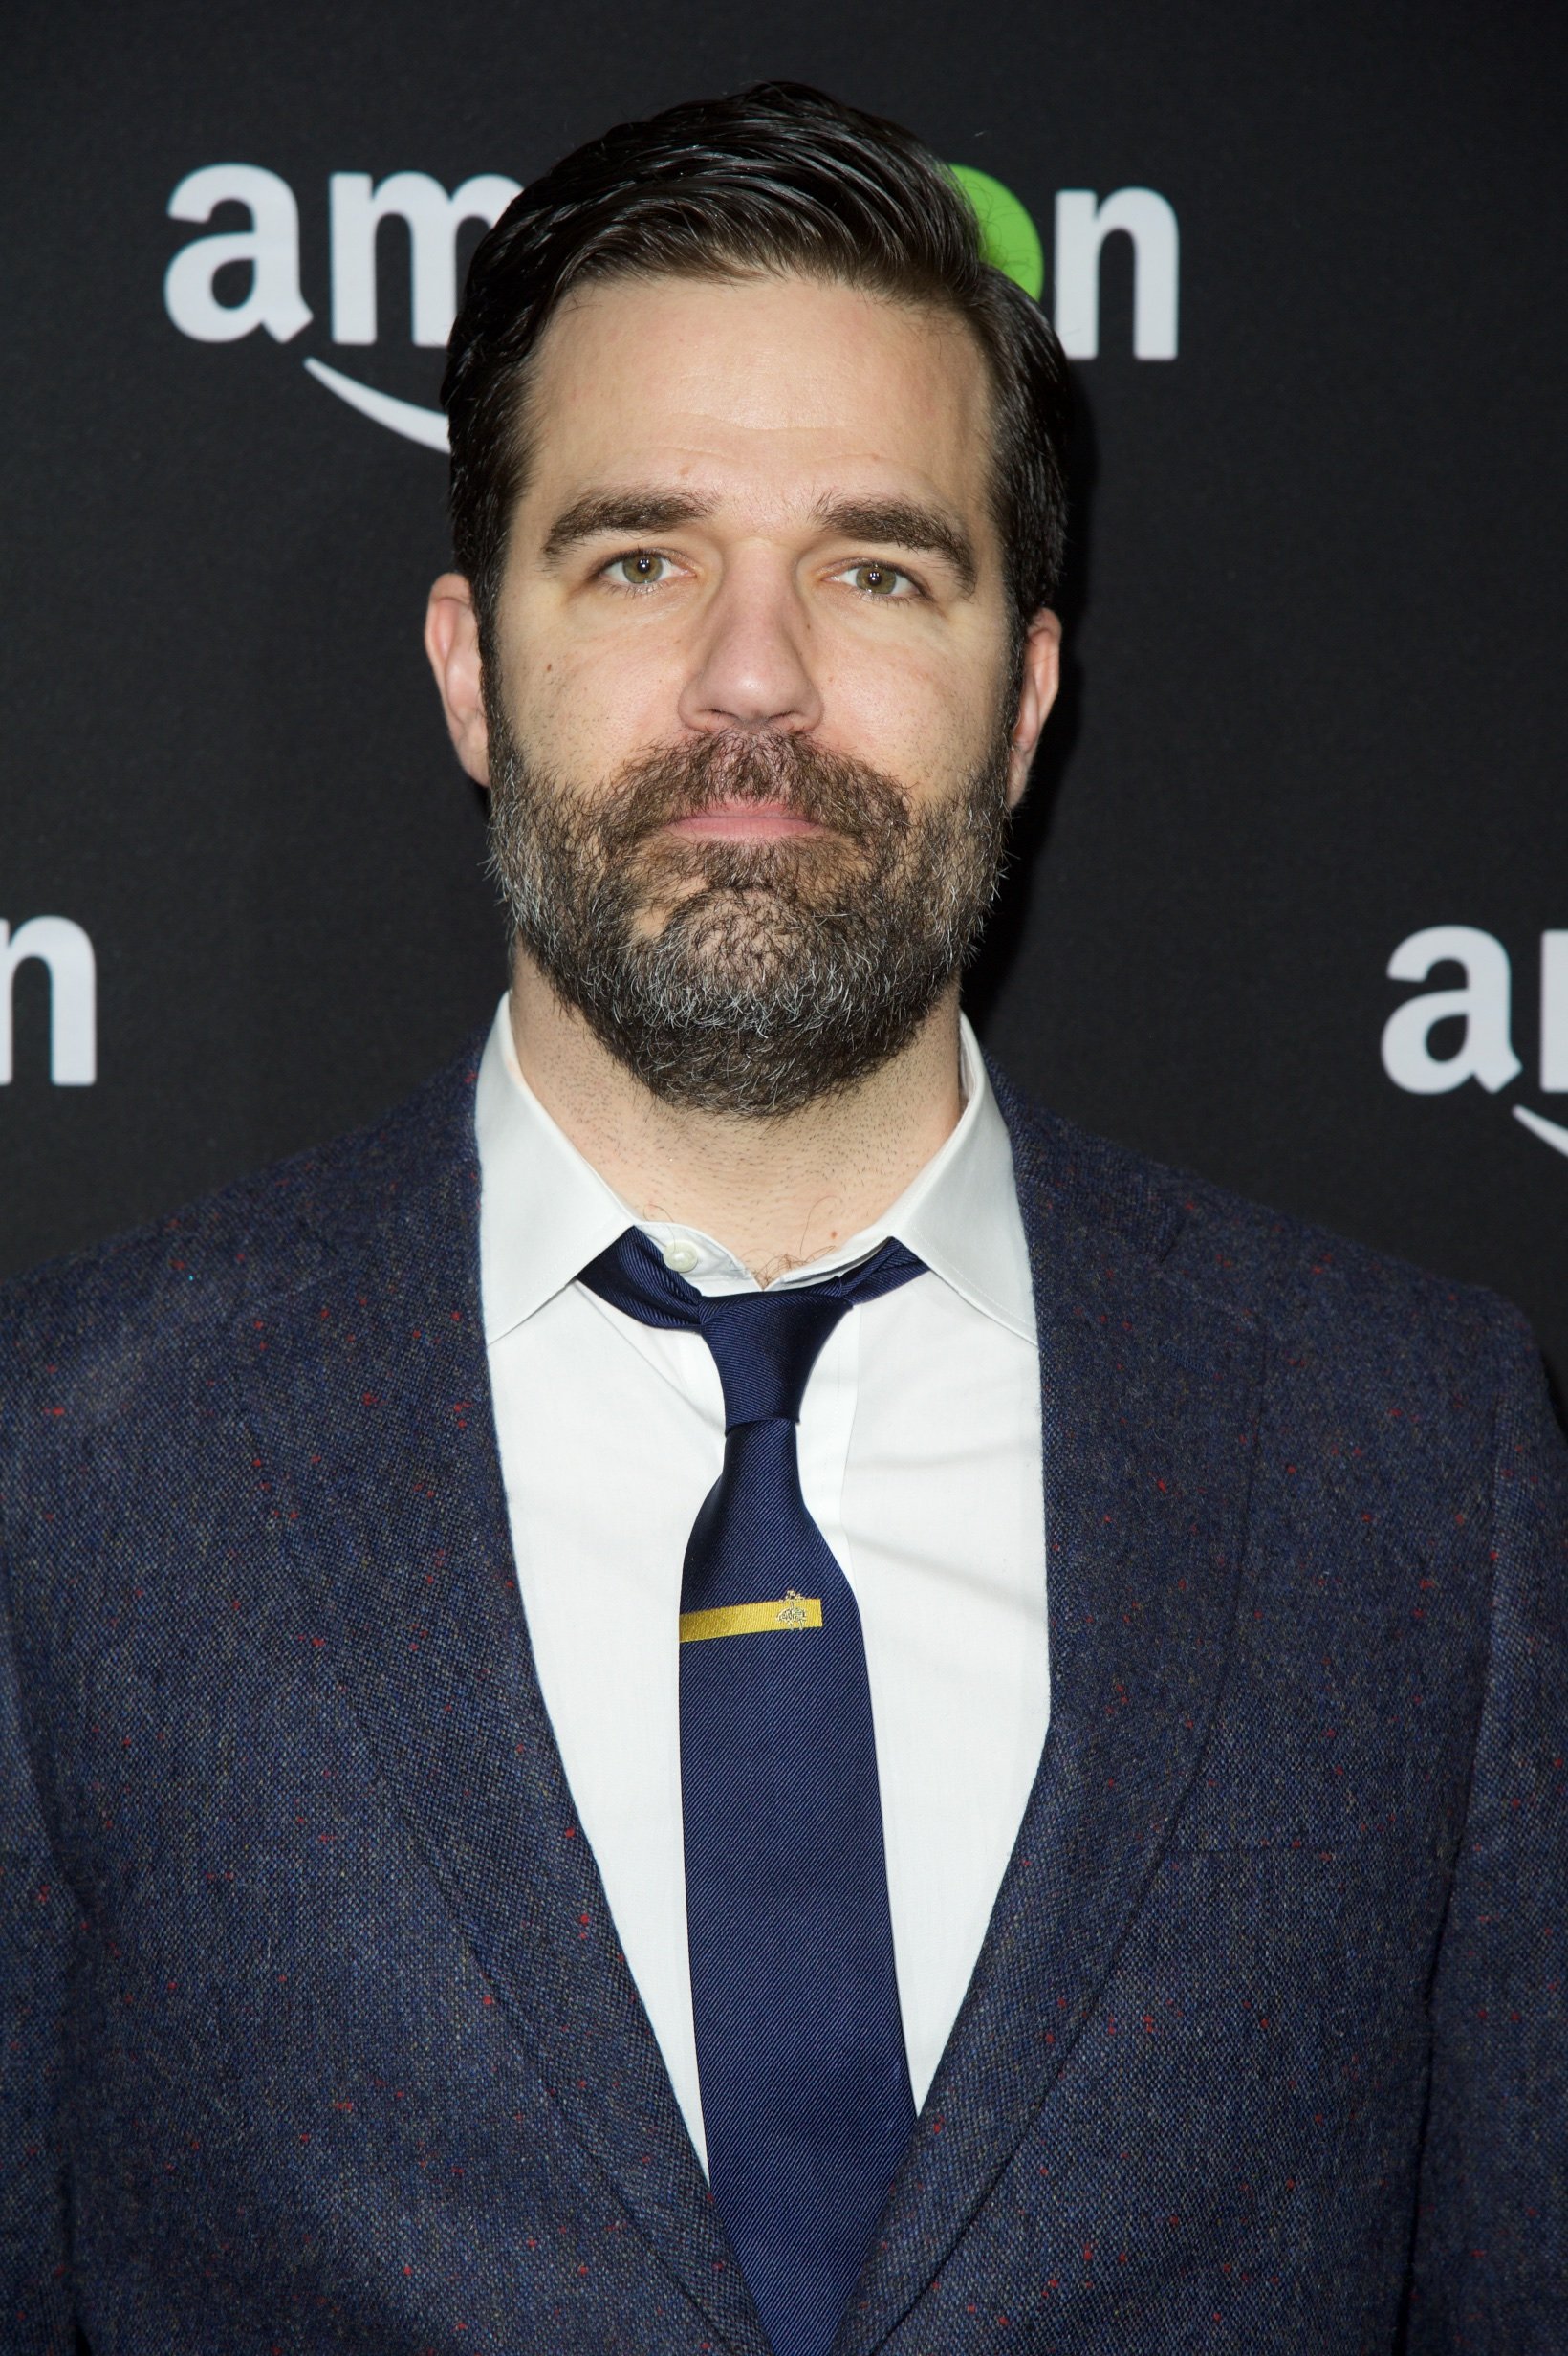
(897, 523)
(599, 512)
(904, 523)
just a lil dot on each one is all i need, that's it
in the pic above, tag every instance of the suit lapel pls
(368, 1390)
(1148, 1394)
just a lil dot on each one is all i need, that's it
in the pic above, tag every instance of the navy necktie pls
(801, 2052)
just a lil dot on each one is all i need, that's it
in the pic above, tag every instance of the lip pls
(752, 821)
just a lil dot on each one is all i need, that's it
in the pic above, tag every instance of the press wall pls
(1307, 772)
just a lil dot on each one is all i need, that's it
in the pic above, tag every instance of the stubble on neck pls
(777, 1189)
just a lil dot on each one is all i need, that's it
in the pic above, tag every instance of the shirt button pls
(681, 1256)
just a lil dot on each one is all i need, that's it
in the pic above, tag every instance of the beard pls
(746, 977)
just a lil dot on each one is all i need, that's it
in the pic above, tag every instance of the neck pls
(775, 1191)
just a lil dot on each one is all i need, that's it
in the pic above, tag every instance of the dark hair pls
(777, 178)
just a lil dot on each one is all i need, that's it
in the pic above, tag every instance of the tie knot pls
(764, 1345)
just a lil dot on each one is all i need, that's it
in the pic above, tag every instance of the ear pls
(1043, 676)
(452, 641)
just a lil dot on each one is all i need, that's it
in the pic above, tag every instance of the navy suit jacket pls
(315, 2032)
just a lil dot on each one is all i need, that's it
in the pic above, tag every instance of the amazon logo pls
(243, 277)
(63, 956)
(1440, 1039)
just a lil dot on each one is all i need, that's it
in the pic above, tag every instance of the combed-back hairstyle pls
(779, 178)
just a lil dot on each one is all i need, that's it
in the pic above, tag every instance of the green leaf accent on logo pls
(1007, 237)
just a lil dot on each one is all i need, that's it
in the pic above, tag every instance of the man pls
(723, 1690)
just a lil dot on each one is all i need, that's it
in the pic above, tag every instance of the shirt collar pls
(545, 1211)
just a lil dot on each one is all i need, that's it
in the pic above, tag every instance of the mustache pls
(831, 789)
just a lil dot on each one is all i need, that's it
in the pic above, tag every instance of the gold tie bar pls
(789, 1611)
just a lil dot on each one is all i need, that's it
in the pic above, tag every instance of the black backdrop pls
(1316, 694)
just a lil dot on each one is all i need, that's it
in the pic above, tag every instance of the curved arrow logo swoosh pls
(1547, 1129)
(405, 417)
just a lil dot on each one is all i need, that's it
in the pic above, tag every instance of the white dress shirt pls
(920, 1461)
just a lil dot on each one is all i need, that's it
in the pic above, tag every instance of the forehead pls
(762, 392)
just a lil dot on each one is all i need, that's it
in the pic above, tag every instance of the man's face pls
(752, 704)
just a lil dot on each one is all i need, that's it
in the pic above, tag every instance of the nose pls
(752, 666)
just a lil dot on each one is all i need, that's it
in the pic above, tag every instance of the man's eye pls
(641, 569)
(879, 581)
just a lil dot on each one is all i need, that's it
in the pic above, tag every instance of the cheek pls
(918, 716)
(579, 708)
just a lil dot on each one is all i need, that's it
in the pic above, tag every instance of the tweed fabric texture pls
(317, 2035)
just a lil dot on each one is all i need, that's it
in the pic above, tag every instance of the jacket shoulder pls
(140, 1298)
(1289, 1274)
